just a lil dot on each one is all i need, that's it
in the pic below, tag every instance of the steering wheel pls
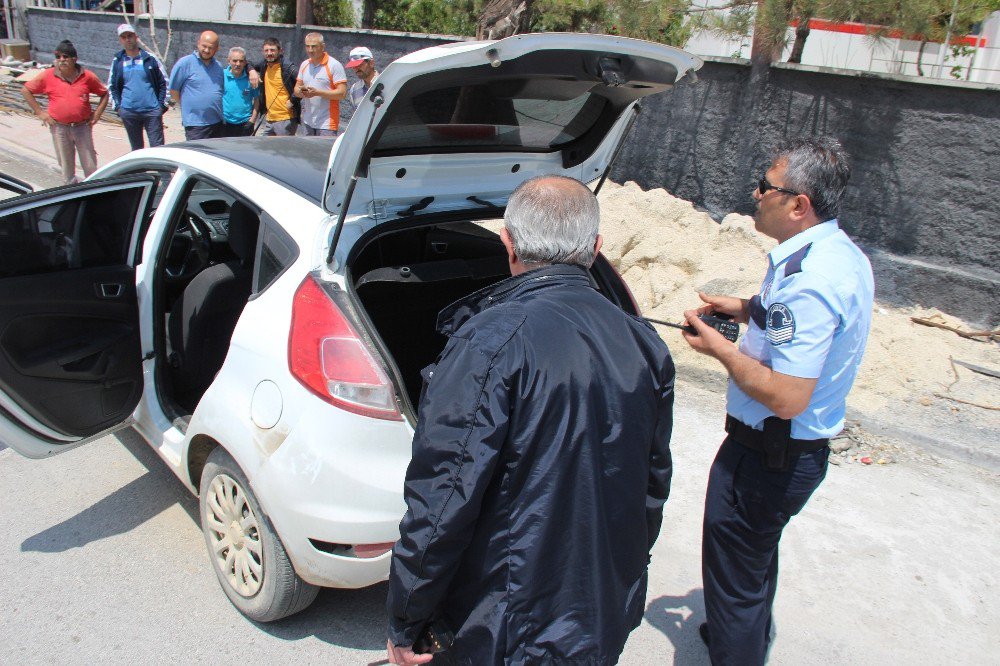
(189, 249)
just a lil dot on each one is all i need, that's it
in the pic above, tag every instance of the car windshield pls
(514, 114)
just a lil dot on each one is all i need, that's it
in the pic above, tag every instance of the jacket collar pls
(453, 316)
(814, 233)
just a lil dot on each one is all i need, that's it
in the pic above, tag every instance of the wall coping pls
(258, 24)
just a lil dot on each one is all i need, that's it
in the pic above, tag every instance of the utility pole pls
(304, 12)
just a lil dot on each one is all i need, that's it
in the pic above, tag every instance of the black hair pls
(66, 48)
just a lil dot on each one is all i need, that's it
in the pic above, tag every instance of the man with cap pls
(196, 83)
(69, 116)
(363, 64)
(138, 85)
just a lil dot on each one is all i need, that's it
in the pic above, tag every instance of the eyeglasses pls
(763, 186)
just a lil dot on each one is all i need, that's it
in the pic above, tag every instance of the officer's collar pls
(814, 233)
(453, 316)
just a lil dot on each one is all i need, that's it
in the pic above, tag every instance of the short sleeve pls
(302, 70)
(177, 75)
(338, 72)
(801, 320)
(37, 85)
(95, 85)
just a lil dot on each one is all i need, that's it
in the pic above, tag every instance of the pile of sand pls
(667, 252)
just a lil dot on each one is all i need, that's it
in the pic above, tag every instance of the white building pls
(851, 46)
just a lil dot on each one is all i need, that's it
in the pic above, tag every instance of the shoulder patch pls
(780, 324)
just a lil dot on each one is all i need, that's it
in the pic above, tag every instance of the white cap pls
(358, 55)
(125, 27)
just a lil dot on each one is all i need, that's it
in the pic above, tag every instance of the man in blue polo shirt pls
(196, 83)
(138, 86)
(788, 384)
(239, 107)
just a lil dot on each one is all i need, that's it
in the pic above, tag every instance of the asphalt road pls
(104, 562)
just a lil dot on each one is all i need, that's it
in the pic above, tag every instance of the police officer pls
(788, 380)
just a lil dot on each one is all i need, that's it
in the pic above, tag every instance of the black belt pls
(755, 439)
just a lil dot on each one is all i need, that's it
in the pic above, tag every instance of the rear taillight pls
(326, 354)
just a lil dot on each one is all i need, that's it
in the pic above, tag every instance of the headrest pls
(243, 226)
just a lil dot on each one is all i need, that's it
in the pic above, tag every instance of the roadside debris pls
(856, 445)
(982, 336)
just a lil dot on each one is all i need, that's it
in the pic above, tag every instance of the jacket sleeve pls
(660, 461)
(162, 92)
(116, 98)
(461, 430)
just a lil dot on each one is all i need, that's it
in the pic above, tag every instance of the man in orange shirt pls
(69, 116)
(321, 84)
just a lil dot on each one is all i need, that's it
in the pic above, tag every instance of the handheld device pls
(730, 330)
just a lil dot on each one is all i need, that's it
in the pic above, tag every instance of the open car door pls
(70, 356)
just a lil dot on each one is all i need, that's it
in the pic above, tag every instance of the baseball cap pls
(358, 55)
(125, 27)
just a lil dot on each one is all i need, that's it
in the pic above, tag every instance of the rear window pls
(514, 114)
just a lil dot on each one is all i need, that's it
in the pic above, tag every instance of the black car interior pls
(207, 272)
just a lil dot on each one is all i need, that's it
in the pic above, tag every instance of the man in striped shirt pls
(321, 84)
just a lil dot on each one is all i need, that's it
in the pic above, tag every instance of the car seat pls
(201, 322)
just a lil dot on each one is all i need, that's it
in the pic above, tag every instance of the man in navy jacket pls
(138, 86)
(541, 457)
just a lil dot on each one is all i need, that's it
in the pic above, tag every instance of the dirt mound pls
(667, 251)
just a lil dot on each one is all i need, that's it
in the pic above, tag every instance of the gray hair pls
(817, 168)
(553, 220)
(238, 49)
(317, 35)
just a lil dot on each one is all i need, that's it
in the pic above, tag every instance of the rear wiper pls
(420, 205)
(483, 202)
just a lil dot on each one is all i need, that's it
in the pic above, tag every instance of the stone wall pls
(926, 156)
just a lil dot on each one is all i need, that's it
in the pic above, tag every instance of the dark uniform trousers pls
(746, 508)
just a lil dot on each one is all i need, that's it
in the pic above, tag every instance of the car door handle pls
(110, 289)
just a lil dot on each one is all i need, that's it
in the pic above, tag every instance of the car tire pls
(246, 553)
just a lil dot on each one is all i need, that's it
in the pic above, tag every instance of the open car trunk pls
(403, 278)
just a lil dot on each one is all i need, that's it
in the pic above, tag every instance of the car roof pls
(298, 163)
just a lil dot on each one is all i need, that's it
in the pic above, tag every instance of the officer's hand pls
(404, 655)
(730, 305)
(708, 341)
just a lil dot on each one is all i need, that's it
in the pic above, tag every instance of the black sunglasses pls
(763, 186)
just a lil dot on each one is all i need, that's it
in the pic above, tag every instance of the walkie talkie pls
(723, 323)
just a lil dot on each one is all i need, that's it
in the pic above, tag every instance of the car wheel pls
(247, 555)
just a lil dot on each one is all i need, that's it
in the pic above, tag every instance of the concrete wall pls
(923, 198)
(926, 165)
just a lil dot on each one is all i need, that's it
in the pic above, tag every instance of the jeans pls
(203, 132)
(279, 128)
(69, 140)
(306, 130)
(237, 129)
(134, 123)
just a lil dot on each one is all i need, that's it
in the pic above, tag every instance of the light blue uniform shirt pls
(238, 98)
(811, 319)
(201, 88)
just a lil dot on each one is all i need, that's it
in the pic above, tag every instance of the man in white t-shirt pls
(321, 84)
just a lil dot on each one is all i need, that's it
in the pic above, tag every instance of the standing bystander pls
(196, 83)
(239, 100)
(138, 86)
(321, 84)
(277, 107)
(541, 457)
(788, 381)
(363, 64)
(69, 116)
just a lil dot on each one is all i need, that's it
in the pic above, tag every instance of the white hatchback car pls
(260, 309)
